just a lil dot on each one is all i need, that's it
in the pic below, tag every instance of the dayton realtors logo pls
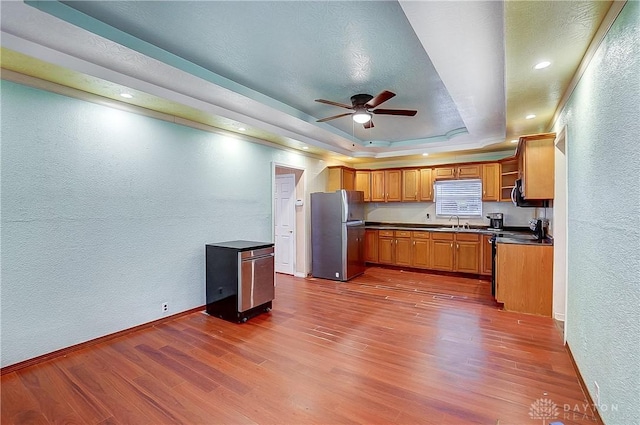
(545, 409)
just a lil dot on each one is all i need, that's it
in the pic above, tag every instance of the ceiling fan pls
(363, 106)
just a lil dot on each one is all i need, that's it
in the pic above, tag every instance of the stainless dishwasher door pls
(257, 278)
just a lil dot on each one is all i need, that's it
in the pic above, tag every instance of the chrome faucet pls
(458, 218)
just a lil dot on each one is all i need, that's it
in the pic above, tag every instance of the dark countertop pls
(242, 245)
(527, 241)
(507, 231)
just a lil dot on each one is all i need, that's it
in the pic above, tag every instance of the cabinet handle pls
(457, 246)
(414, 243)
(452, 245)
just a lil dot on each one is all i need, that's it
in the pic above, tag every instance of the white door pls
(285, 234)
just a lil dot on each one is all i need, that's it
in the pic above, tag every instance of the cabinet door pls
(538, 168)
(468, 171)
(385, 250)
(442, 255)
(491, 182)
(420, 253)
(410, 185)
(393, 185)
(444, 173)
(363, 183)
(348, 179)
(426, 185)
(486, 255)
(371, 246)
(467, 257)
(403, 251)
(377, 186)
(341, 178)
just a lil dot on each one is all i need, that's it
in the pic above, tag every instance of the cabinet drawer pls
(402, 234)
(420, 235)
(440, 236)
(471, 237)
(385, 233)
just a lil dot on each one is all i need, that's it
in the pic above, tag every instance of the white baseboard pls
(300, 274)
(559, 317)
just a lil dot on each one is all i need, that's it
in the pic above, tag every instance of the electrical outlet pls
(165, 307)
(596, 396)
(428, 216)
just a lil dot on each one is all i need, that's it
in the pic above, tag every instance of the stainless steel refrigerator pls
(337, 234)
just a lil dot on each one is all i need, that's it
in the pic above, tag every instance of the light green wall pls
(602, 119)
(105, 215)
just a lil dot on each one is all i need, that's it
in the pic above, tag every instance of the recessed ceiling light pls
(242, 129)
(514, 141)
(305, 147)
(126, 95)
(425, 154)
(542, 65)
(530, 116)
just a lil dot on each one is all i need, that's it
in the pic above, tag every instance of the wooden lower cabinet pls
(420, 250)
(485, 249)
(445, 251)
(385, 246)
(455, 252)
(467, 254)
(402, 251)
(442, 251)
(371, 246)
(524, 278)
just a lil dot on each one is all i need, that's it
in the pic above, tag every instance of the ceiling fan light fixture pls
(361, 116)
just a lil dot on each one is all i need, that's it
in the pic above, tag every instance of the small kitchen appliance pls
(496, 221)
(539, 227)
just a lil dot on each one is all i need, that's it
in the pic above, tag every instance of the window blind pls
(459, 197)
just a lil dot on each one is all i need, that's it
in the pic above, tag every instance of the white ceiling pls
(261, 64)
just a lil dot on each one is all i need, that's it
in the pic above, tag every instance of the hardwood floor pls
(389, 347)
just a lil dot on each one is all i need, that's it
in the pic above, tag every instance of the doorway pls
(285, 229)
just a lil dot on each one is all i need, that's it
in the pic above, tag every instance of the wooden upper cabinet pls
(444, 173)
(508, 175)
(473, 171)
(536, 158)
(377, 186)
(469, 171)
(341, 178)
(410, 185)
(425, 192)
(393, 185)
(491, 182)
(363, 183)
(386, 186)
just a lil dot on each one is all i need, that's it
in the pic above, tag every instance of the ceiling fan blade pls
(368, 124)
(379, 99)
(406, 112)
(329, 102)
(334, 117)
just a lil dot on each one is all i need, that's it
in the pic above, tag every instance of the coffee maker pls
(496, 221)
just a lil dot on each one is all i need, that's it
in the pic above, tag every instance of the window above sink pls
(461, 198)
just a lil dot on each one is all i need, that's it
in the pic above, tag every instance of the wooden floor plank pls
(389, 347)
